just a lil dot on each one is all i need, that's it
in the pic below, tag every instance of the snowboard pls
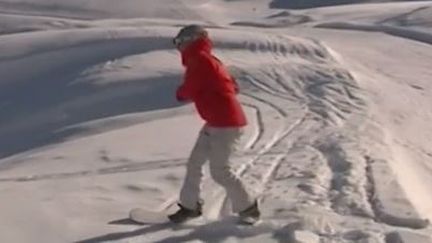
(143, 216)
(248, 221)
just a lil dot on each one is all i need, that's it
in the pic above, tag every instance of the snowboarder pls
(213, 91)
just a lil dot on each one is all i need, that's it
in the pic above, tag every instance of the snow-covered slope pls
(302, 4)
(338, 101)
(91, 9)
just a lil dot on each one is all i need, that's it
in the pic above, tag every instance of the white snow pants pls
(215, 145)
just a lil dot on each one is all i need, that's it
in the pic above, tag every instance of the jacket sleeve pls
(195, 79)
(182, 93)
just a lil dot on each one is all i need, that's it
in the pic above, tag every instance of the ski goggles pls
(177, 41)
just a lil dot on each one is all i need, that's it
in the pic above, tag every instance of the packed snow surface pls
(339, 103)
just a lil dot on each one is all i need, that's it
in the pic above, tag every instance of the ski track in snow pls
(259, 171)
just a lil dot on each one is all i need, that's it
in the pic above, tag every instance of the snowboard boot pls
(251, 215)
(184, 214)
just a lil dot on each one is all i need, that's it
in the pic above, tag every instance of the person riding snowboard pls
(210, 87)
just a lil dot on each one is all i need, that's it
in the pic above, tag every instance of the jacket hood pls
(203, 44)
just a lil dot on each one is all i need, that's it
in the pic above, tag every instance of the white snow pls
(338, 100)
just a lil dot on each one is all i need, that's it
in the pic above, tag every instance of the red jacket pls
(208, 84)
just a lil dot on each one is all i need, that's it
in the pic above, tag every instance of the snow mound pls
(281, 19)
(55, 92)
(299, 4)
(417, 35)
